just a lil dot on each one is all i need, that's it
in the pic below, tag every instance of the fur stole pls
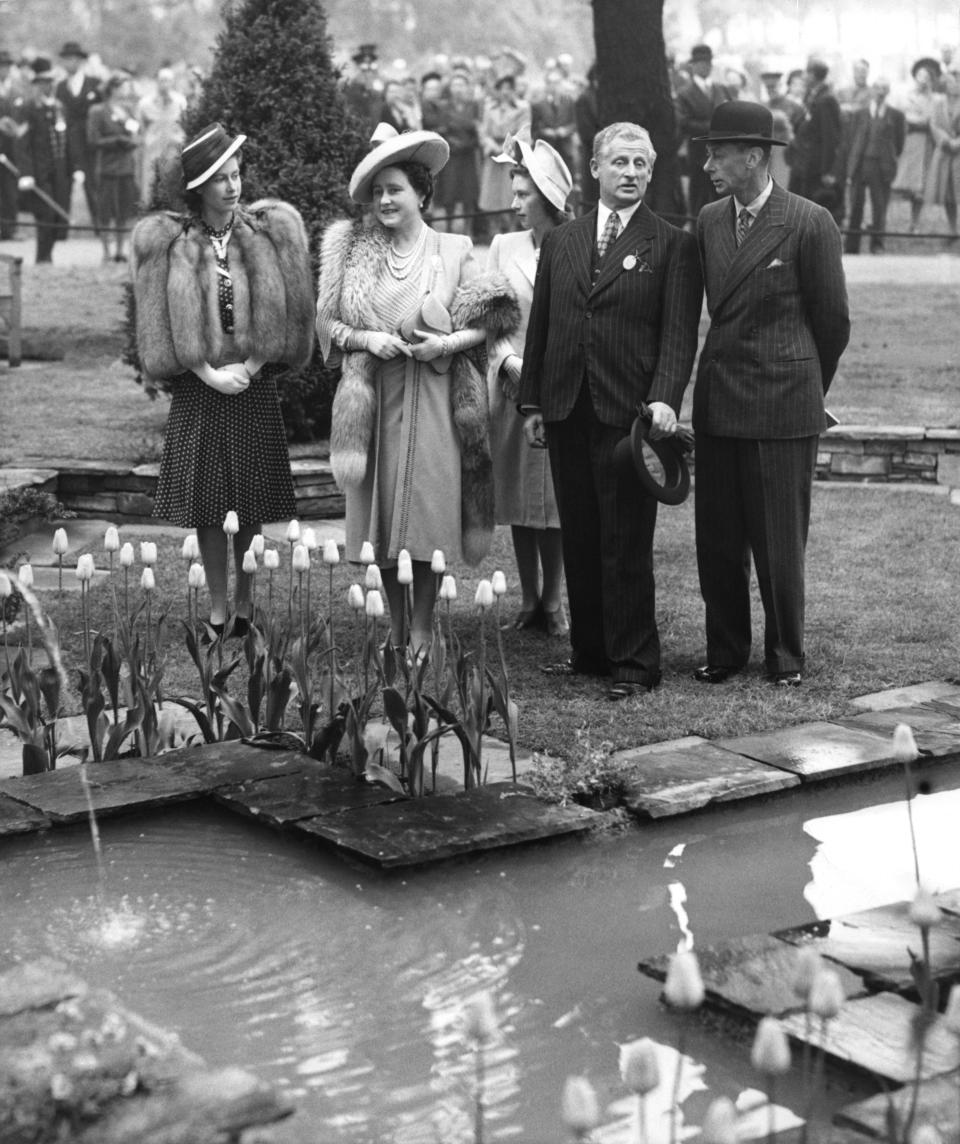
(352, 255)
(175, 289)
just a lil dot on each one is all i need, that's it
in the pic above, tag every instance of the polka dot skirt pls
(225, 452)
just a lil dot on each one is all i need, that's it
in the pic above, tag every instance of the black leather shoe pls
(577, 666)
(786, 678)
(711, 674)
(628, 688)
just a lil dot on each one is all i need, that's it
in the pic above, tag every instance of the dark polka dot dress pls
(225, 452)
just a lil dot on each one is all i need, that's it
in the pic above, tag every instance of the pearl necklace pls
(219, 238)
(400, 265)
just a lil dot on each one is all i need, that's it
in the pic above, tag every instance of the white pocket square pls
(776, 262)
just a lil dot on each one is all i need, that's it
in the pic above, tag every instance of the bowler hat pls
(701, 52)
(631, 462)
(544, 164)
(741, 121)
(426, 147)
(42, 69)
(204, 154)
(72, 48)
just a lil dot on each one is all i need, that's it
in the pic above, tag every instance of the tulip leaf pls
(377, 774)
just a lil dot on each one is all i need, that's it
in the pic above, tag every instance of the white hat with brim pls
(550, 173)
(204, 154)
(425, 147)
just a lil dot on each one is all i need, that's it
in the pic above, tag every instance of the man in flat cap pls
(694, 104)
(778, 324)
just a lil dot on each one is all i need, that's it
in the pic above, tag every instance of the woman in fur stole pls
(404, 308)
(220, 292)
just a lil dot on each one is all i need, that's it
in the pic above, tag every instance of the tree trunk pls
(635, 87)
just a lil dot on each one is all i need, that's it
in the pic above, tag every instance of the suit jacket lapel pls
(636, 238)
(579, 234)
(768, 231)
(526, 259)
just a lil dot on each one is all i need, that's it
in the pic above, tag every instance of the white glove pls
(26, 183)
(79, 178)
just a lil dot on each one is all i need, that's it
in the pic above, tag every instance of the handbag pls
(435, 318)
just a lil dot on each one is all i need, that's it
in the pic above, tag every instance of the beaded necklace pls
(219, 240)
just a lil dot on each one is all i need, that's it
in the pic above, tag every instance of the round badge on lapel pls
(630, 262)
(664, 476)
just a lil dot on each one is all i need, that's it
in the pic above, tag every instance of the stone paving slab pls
(37, 983)
(315, 791)
(937, 732)
(17, 818)
(937, 1106)
(690, 773)
(751, 976)
(876, 944)
(875, 1034)
(815, 750)
(915, 693)
(417, 831)
(14, 478)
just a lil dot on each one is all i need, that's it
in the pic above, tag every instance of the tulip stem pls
(333, 646)
(481, 1084)
(771, 1108)
(908, 775)
(641, 1117)
(482, 714)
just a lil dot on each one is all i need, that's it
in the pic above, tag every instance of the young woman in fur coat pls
(404, 309)
(220, 292)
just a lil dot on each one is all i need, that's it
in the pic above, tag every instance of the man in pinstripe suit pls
(778, 325)
(613, 323)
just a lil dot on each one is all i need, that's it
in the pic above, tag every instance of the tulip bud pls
(355, 598)
(111, 539)
(374, 604)
(331, 552)
(720, 1122)
(437, 563)
(480, 1017)
(25, 575)
(498, 582)
(301, 558)
(579, 1109)
(484, 595)
(126, 555)
(60, 543)
(951, 1015)
(231, 524)
(249, 562)
(271, 559)
(826, 995)
(85, 567)
(367, 555)
(639, 1066)
(771, 1050)
(257, 544)
(6, 587)
(904, 745)
(191, 548)
(148, 553)
(684, 985)
(924, 911)
(195, 576)
(203, 577)
(807, 966)
(448, 588)
(373, 580)
(293, 531)
(308, 538)
(404, 567)
(147, 581)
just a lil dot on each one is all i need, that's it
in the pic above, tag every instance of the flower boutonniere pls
(634, 263)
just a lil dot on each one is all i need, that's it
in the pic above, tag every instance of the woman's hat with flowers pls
(544, 164)
(391, 147)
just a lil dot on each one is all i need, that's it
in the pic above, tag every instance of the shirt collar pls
(757, 205)
(604, 212)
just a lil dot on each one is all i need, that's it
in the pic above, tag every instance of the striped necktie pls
(609, 236)
(744, 222)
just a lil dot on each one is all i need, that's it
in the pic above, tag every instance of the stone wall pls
(892, 453)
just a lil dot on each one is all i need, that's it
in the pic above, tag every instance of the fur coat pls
(175, 289)
(352, 256)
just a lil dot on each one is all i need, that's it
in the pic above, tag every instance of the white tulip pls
(404, 567)
(231, 523)
(126, 555)
(951, 1015)
(771, 1049)
(191, 548)
(6, 587)
(639, 1066)
(271, 559)
(293, 531)
(331, 552)
(308, 538)
(438, 564)
(580, 1111)
(301, 558)
(111, 539)
(367, 555)
(374, 604)
(807, 966)
(85, 567)
(684, 985)
(480, 1017)
(719, 1122)
(355, 598)
(60, 542)
(904, 745)
(498, 582)
(249, 562)
(826, 995)
(25, 575)
(147, 581)
(148, 553)
(924, 911)
(195, 576)
(448, 588)
(257, 544)
(484, 595)
(373, 580)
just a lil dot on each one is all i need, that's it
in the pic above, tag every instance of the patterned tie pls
(609, 235)
(744, 222)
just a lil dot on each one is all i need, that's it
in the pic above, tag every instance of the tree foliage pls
(272, 80)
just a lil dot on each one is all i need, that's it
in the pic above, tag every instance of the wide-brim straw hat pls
(393, 147)
(549, 172)
(204, 154)
(928, 62)
(741, 121)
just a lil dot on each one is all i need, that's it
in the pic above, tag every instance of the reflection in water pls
(345, 988)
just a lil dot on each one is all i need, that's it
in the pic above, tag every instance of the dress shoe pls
(785, 678)
(578, 666)
(628, 688)
(710, 673)
(555, 621)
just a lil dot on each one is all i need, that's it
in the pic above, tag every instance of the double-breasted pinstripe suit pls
(778, 324)
(602, 338)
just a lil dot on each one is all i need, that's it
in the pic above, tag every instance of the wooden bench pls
(10, 270)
